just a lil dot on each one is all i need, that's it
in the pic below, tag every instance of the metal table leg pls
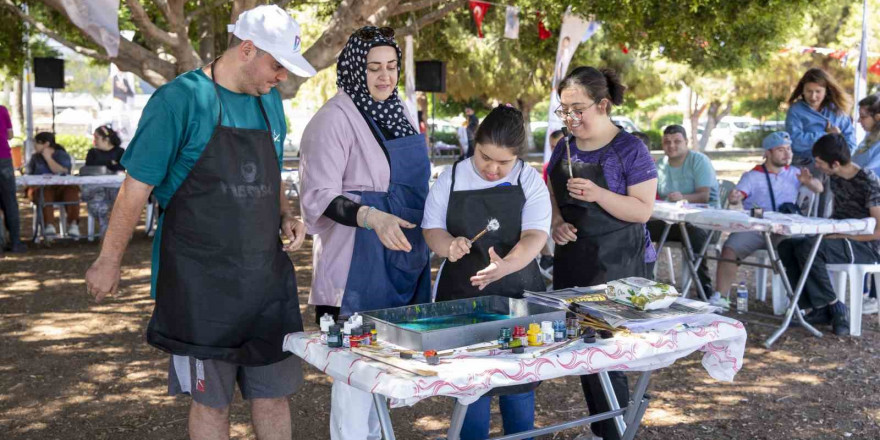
(795, 294)
(457, 421)
(611, 397)
(39, 221)
(381, 404)
(663, 237)
(689, 253)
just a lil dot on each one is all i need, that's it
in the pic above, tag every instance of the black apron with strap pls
(225, 289)
(606, 248)
(467, 214)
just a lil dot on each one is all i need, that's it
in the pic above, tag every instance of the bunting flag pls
(860, 89)
(624, 49)
(543, 33)
(99, 19)
(478, 10)
(511, 23)
(875, 68)
(592, 28)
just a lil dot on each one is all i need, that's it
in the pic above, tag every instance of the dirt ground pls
(73, 369)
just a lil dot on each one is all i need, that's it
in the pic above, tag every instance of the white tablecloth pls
(467, 376)
(112, 180)
(736, 221)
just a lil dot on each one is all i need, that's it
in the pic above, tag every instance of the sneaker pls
(839, 323)
(869, 305)
(73, 230)
(818, 316)
(546, 262)
(50, 230)
(717, 301)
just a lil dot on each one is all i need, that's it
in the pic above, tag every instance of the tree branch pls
(415, 5)
(206, 7)
(151, 31)
(429, 18)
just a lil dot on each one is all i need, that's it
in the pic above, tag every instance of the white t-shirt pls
(536, 212)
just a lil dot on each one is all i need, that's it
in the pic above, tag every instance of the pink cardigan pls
(338, 154)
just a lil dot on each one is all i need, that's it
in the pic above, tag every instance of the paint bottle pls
(357, 335)
(374, 335)
(368, 334)
(504, 338)
(534, 335)
(547, 331)
(346, 335)
(519, 332)
(558, 331)
(572, 328)
(358, 320)
(334, 337)
(326, 322)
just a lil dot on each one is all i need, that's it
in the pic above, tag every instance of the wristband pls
(366, 216)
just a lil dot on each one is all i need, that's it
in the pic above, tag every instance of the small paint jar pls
(334, 337)
(534, 335)
(325, 323)
(572, 328)
(367, 335)
(558, 331)
(547, 331)
(374, 335)
(346, 334)
(519, 332)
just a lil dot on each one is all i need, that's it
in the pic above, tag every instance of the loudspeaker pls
(431, 76)
(49, 73)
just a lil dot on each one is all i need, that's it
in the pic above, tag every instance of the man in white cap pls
(209, 147)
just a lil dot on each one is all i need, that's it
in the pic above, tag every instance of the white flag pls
(410, 78)
(97, 18)
(511, 25)
(570, 36)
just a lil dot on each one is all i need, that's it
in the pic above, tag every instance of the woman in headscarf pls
(364, 172)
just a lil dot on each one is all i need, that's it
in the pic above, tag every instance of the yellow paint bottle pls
(534, 334)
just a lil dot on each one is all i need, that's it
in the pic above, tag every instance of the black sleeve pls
(90, 158)
(117, 156)
(343, 210)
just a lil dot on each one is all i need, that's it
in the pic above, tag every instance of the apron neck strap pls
(220, 101)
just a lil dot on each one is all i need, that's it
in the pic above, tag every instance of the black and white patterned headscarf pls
(351, 71)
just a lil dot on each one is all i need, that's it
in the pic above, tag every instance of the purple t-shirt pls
(625, 162)
(5, 125)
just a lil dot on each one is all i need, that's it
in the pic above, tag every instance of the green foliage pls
(760, 107)
(77, 145)
(708, 35)
(750, 139)
(668, 119)
(538, 135)
(446, 137)
(656, 138)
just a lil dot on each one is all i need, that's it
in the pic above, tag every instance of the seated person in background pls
(688, 175)
(772, 186)
(51, 158)
(856, 195)
(107, 152)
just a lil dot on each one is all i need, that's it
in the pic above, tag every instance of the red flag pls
(875, 68)
(478, 9)
(624, 49)
(543, 33)
(838, 54)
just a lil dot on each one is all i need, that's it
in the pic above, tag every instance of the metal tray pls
(523, 313)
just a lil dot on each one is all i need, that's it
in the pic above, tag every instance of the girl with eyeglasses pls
(599, 213)
(364, 170)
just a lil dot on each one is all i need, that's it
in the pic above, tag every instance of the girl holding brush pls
(603, 182)
(493, 184)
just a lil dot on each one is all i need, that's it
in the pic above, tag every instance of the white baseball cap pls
(273, 30)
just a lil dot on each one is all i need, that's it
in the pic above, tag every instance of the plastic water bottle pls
(742, 298)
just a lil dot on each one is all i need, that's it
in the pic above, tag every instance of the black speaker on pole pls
(431, 76)
(49, 73)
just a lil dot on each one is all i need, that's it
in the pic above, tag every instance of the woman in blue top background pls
(817, 106)
(867, 155)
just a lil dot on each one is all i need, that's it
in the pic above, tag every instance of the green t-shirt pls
(175, 126)
(696, 172)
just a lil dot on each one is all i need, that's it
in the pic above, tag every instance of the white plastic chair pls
(855, 273)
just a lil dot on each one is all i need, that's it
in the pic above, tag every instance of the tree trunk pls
(696, 110)
(18, 106)
(526, 109)
(206, 38)
(713, 115)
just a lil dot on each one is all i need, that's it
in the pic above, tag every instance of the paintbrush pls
(566, 134)
(492, 226)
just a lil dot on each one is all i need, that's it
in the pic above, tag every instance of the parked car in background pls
(625, 123)
(725, 131)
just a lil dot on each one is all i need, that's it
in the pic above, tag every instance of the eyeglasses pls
(575, 115)
(369, 33)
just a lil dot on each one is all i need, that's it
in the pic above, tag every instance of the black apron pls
(225, 289)
(467, 215)
(606, 248)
